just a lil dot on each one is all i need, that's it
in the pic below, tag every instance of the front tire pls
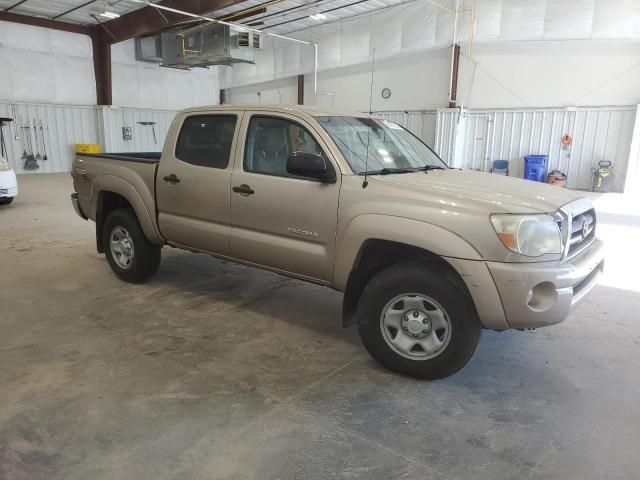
(6, 200)
(416, 320)
(130, 255)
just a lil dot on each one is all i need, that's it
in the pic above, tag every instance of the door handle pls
(172, 179)
(243, 189)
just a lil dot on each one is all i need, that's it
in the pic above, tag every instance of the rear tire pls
(6, 200)
(130, 255)
(416, 321)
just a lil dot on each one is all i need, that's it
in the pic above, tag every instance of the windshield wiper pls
(428, 168)
(387, 171)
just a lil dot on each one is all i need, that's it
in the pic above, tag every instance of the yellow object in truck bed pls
(87, 148)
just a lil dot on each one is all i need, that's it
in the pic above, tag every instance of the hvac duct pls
(200, 46)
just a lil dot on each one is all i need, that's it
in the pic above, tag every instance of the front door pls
(280, 221)
(192, 184)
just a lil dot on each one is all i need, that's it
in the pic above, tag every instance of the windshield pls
(379, 146)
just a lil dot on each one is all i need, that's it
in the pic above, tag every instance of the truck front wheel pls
(416, 321)
(130, 255)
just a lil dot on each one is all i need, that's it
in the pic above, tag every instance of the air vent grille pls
(243, 39)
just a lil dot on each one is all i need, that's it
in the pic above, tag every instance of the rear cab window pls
(206, 140)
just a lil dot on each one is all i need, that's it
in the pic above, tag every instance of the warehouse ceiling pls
(277, 16)
(84, 12)
(290, 15)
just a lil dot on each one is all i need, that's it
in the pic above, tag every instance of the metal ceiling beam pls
(329, 10)
(235, 17)
(78, 7)
(146, 21)
(15, 5)
(45, 23)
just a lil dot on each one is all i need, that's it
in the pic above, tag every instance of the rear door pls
(192, 184)
(281, 221)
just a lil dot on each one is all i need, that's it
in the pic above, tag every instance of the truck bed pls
(140, 157)
(118, 172)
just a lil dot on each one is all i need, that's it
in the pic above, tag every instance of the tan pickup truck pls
(427, 256)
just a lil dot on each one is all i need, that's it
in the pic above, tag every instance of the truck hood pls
(509, 194)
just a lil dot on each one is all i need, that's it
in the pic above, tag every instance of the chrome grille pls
(582, 232)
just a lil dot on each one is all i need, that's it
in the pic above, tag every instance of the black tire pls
(6, 200)
(437, 284)
(146, 255)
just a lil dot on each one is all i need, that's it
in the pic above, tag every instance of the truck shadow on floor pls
(198, 284)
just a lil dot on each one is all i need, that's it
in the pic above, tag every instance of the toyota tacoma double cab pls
(427, 256)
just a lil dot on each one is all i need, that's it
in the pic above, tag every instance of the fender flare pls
(111, 183)
(416, 233)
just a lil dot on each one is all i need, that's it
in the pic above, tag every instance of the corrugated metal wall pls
(471, 140)
(62, 127)
(476, 138)
(422, 123)
(65, 126)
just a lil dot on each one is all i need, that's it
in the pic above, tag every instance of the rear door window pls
(205, 140)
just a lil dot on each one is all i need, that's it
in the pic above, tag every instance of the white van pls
(8, 182)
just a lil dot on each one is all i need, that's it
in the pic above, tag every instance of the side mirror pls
(310, 165)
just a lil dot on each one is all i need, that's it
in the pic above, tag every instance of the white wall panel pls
(421, 123)
(149, 86)
(603, 133)
(544, 74)
(45, 66)
(417, 82)
(113, 119)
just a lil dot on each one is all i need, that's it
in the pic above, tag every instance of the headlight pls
(529, 235)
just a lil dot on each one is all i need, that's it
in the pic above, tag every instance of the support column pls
(300, 89)
(102, 67)
(453, 97)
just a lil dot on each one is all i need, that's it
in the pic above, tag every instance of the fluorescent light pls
(110, 15)
(318, 16)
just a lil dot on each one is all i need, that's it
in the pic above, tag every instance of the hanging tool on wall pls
(153, 129)
(16, 131)
(23, 142)
(44, 143)
(3, 146)
(30, 162)
(35, 130)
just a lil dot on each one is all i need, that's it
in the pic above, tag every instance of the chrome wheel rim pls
(415, 326)
(121, 245)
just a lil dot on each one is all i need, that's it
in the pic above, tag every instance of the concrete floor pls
(217, 371)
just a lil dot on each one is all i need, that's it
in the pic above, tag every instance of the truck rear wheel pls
(415, 321)
(130, 255)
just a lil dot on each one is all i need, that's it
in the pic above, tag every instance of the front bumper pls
(540, 294)
(8, 184)
(76, 206)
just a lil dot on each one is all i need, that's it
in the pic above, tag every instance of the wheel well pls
(107, 203)
(374, 256)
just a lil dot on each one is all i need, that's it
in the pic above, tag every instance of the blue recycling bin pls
(535, 167)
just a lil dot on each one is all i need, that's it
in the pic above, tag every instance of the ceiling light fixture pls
(111, 15)
(318, 16)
